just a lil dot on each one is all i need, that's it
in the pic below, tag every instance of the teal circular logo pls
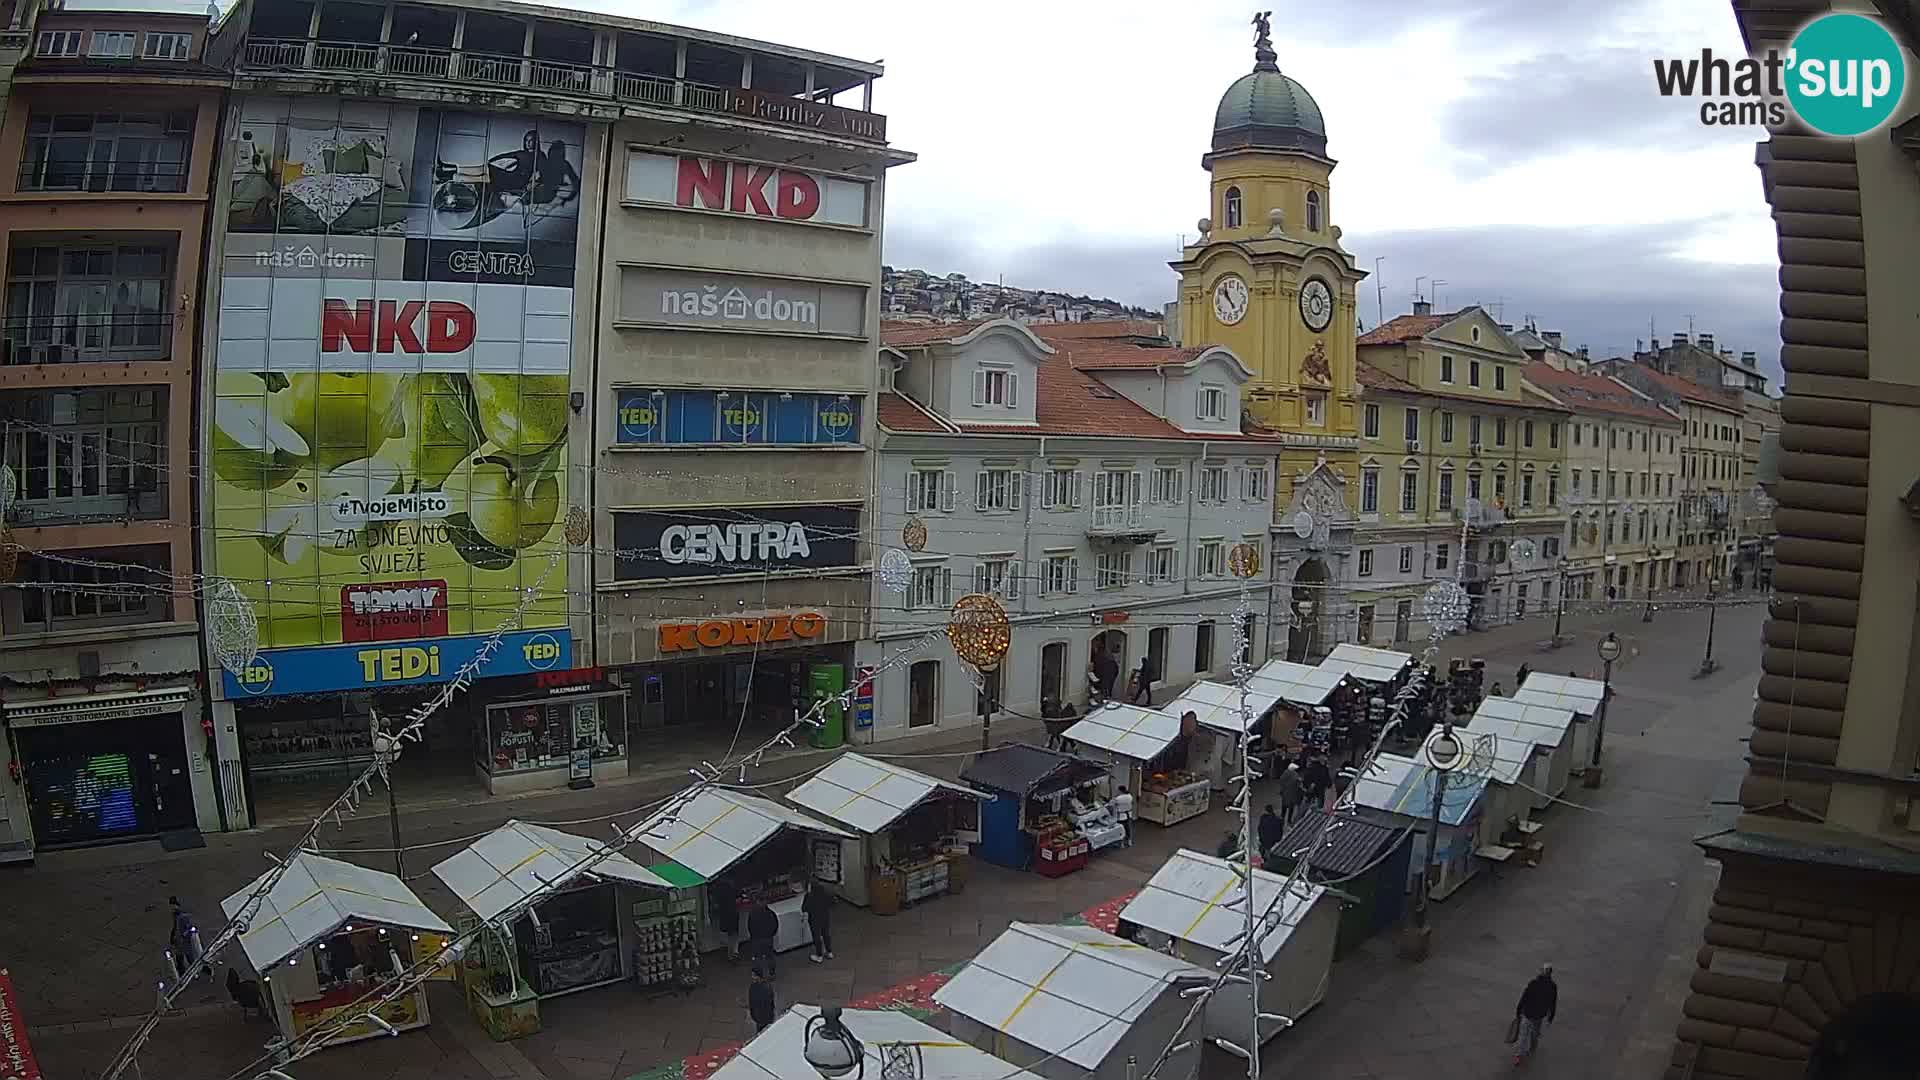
(1845, 74)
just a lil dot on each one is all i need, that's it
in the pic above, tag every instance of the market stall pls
(1367, 861)
(912, 830)
(1146, 750)
(329, 934)
(617, 920)
(1398, 793)
(743, 849)
(1215, 748)
(1377, 666)
(1580, 696)
(1551, 730)
(1195, 907)
(1074, 1003)
(1034, 789)
(779, 1053)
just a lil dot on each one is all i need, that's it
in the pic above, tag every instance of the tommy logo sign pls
(393, 611)
(389, 326)
(748, 188)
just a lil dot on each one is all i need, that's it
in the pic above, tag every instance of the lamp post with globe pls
(831, 1048)
(1708, 665)
(1443, 753)
(1609, 652)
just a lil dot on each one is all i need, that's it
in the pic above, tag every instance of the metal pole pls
(393, 822)
(1600, 722)
(1433, 839)
(986, 711)
(1713, 610)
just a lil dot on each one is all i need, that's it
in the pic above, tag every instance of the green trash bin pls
(827, 681)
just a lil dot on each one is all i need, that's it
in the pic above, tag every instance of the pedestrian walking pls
(183, 938)
(1143, 682)
(1106, 669)
(760, 999)
(1538, 1004)
(723, 908)
(1271, 830)
(762, 927)
(1316, 779)
(1229, 845)
(1291, 793)
(1520, 677)
(1121, 806)
(819, 909)
(1496, 691)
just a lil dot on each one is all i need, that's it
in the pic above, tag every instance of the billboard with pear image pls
(389, 433)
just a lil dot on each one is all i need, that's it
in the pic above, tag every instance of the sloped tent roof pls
(1197, 898)
(1299, 683)
(1070, 991)
(719, 827)
(1549, 722)
(1217, 705)
(1028, 769)
(510, 863)
(314, 897)
(1401, 785)
(1128, 730)
(1361, 662)
(1568, 691)
(868, 795)
(779, 1053)
(1348, 846)
(1500, 749)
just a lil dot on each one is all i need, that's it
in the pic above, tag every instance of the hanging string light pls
(896, 571)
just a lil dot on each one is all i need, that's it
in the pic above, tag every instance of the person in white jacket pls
(1122, 807)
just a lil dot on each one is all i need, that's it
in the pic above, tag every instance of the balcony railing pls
(1116, 518)
(303, 56)
(77, 339)
(134, 176)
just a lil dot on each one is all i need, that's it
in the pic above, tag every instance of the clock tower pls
(1268, 277)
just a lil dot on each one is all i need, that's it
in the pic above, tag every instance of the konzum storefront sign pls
(747, 188)
(706, 541)
(797, 628)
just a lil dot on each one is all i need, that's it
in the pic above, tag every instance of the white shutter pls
(982, 489)
(980, 583)
(1013, 581)
(1013, 389)
(946, 586)
(1073, 573)
(1017, 489)
(1075, 485)
(979, 386)
(949, 490)
(1134, 485)
(913, 491)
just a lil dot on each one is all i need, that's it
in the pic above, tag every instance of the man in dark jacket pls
(1271, 830)
(760, 999)
(1315, 780)
(1106, 668)
(762, 927)
(1291, 793)
(819, 908)
(1143, 681)
(723, 909)
(1538, 1004)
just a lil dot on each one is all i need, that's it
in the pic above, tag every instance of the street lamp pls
(1653, 560)
(1609, 652)
(1560, 609)
(1709, 665)
(831, 1049)
(1443, 753)
(386, 750)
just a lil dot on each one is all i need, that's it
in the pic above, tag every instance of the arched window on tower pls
(1313, 211)
(1232, 213)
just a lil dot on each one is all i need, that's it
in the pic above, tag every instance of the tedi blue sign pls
(376, 665)
(735, 418)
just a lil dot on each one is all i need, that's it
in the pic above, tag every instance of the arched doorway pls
(1877, 1038)
(1308, 611)
(1114, 642)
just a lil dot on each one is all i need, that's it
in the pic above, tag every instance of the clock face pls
(1230, 300)
(1316, 304)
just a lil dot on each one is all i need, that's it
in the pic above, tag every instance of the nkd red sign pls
(387, 326)
(740, 187)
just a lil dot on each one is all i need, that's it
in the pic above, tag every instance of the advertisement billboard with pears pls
(389, 431)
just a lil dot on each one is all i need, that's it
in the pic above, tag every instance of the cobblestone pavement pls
(1615, 906)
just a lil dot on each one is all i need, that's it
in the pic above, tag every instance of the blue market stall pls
(1031, 788)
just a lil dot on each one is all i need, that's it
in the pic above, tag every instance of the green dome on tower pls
(1266, 110)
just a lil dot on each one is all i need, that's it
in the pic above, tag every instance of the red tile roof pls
(1687, 389)
(1587, 392)
(1373, 378)
(1114, 355)
(901, 413)
(1405, 328)
(1381, 380)
(907, 335)
(1097, 328)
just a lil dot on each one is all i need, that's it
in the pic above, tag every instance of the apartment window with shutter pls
(997, 575)
(1446, 368)
(1213, 403)
(1213, 484)
(1061, 576)
(1369, 491)
(1446, 427)
(1113, 569)
(1446, 491)
(1253, 483)
(996, 386)
(929, 491)
(1063, 489)
(1163, 564)
(1370, 419)
(1409, 491)
(1366, 562)
(932, 587)
(1412, 423)
(998, 490)
(1210, 559)
(1169, 485)
(1406, 558)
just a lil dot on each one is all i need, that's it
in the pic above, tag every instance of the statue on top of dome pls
(1263, 40)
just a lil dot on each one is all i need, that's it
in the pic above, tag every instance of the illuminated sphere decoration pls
(233, 632)
(1243, 560)
(978, 630)
(579, 526)
(913, 535)
(896, 571)
(1444, 607)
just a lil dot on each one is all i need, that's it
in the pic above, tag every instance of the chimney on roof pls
(1506, 328)
(1679, 340)
(1423, 307)
(1552, 337)
(1706, 342)
(1583, 352)
(1726, 350)
(1748, 359)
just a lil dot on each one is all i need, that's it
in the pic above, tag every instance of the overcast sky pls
(1514, 148)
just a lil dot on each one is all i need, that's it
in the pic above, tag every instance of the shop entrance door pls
(107, 780)
(1053, 672)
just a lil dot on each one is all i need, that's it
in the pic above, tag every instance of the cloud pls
(1493, 21)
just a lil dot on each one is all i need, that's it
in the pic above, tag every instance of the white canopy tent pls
(779, 1053)
(1582, 696)
(1550, 728)
(316, 901)
(1398, 792)
(1300, 684)
(1129, 738)
(519, 858)
(871, 797)
(1366, 664)
(1216, 706)
(1195, 902)
(1072, 1002)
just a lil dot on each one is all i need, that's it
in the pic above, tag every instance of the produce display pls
(1172, 780)
(666, 951)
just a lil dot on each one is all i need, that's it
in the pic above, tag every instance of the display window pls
(522, 736)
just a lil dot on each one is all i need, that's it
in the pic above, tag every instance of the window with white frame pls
(1526, 489)
(1442, 555)
(1316, 404)
(1473, 372)
(158, 46)
(1406, 558)
(1366, 562)
(1499, 376)
(997, 575)
(1213, 484)
(1500, 488)
(1409, 491)
(1553, 490)
(1446, 368)
(1060, 574)
(996, 386)
(1257, 544)
(1213, 403)
(1363, 627)
(1446, 490)
(1473, 431)
(1113, 569)
(60, 42)
(1062, 489)
(998, 490)
(1169, 485)
(1253, 483)
(1163, 564)
(126, 586)
(112, 44)
(1369, 491)
(1473, 484)
(1210, 559)
(1370, 421)
(1550, 547)
(929, 491)
(1412, 425)
(1446, 427)
(932, 587)
(1116, 497)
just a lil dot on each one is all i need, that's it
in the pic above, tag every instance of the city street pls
(1615, 906)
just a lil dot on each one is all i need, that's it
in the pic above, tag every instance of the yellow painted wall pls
(1265, 182)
